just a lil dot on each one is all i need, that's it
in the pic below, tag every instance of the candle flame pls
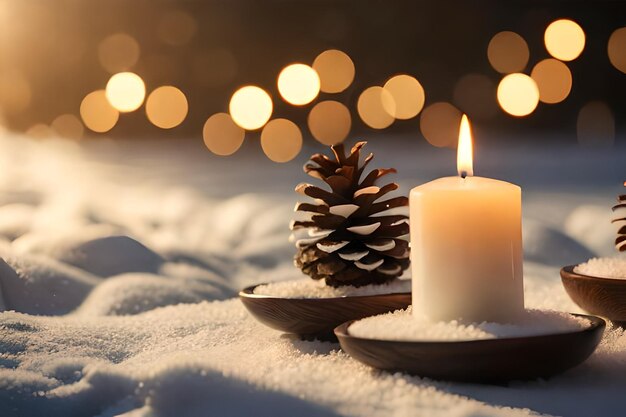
(464, 157)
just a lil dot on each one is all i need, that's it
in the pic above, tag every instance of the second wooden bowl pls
(315, 318)
(604, 297)
(486, 361)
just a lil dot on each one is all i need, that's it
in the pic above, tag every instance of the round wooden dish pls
(485, 361)
(605, 297)
(315, 318)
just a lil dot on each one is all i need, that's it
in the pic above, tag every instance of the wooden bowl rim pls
(248, 292)
(597, 323)
(571, 274)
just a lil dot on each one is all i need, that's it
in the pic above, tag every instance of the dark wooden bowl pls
(485, 361)
(605, 297)
(315, 318)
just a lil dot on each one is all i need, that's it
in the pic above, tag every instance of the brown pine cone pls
(346, 240)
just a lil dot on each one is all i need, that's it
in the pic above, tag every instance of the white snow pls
(404, 326)
(122, 258)
(308, 288)
(603, 267)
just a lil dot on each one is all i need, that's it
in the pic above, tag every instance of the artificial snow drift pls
(121, 261)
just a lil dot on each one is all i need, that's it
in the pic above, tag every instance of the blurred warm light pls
(508, 52)
(250, 107)
(15, 91)
(464, 152)
(329, 122)
(39, 131)
(439, 123)
(518, 94)
(298, 84)
(214, 68)
(281, 140)
(118, 52)
(177, 28)
(166, 107)
(126, 91)
(335, 69)
(376, 107)
(553, 79)
(408, 96)
(475, 94)
(595, 126)
(68, 126)
(617, 49)
(564, 39)
(97, 113)
(221, 135)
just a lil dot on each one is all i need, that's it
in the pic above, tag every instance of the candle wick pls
(463, 174)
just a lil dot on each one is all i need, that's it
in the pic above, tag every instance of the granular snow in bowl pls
(603, 267)
(308, 288)
(402, 325)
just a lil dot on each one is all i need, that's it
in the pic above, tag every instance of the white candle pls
(466, 245)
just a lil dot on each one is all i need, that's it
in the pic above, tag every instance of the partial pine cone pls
(620, 240)
(348, 239)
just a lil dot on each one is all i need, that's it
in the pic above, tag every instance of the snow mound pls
(107, 256)
(591, 225)
(134, 293)
(15, 220)
(603, 267)
(549, 246)
(37, 285)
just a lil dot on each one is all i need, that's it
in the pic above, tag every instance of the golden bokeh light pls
(617, 49)
(281, 140)
(553, 79)
(408, 96)
(329, 122)
(177, 28)
(508, 52)
(97, 113)
(595, 126)
(39, 131)
(298, 84)
(376, 107)
(475, 94)
(564, 39)
(439, 123)
(221, 135)
(518, 94)
(118, 52)
(335, 69)
(166, 107)
(250, 107)
(15, 92)
(126, 91)
(68, 126)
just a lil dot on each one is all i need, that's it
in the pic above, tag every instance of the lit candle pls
(466, 245)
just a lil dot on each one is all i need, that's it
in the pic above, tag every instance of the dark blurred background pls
(53, 54)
